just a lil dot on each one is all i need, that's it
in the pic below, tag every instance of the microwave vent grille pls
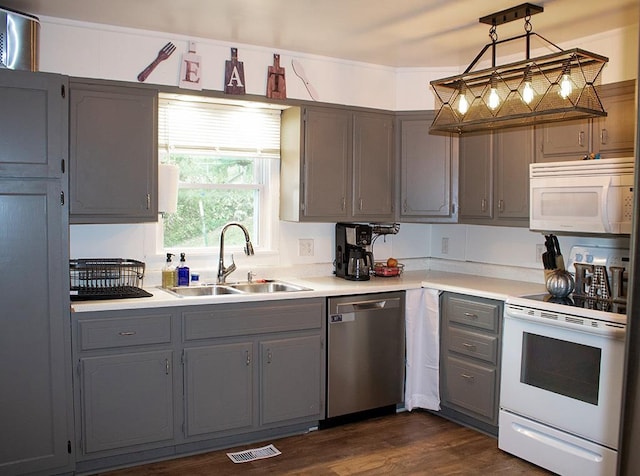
(573, 168)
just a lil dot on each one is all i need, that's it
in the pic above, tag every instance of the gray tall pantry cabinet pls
(35, 400)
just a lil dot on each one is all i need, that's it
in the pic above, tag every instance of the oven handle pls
(604, 329)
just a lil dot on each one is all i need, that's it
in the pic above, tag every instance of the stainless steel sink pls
(236, 288)
(208, 290)
(268, 287)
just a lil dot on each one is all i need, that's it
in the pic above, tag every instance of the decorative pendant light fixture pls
(554, 87)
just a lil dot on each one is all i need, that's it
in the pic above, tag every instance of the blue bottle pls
(183, 271)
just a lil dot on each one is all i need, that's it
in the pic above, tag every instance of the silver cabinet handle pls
(166, 366)
(148, 201)
(469, 346)
(467, 377)
(360, 204)
(248, 358)
(483, 205)
(344, 203)
(127, 333)
(501, 205)
(269, 356)
(470, 315)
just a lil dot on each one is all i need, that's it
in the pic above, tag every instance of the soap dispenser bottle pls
(168, 273)
(183, 271)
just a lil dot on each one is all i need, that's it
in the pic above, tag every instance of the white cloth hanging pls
(422, 385)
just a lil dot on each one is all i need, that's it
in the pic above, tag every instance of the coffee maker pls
(353, 261)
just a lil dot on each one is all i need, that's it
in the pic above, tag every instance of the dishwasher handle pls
(372, 305)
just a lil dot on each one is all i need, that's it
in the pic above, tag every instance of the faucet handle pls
(232, 267)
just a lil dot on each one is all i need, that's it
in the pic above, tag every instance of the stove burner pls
(584, 302)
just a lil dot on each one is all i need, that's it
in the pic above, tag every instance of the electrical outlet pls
(305, 247)
(445, 245)
(539, 250)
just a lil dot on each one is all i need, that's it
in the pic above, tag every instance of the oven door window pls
(561, 367)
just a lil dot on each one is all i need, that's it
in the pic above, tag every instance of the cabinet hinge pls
(69, 446)
(62, 198)
(63, 91)
(62, 165)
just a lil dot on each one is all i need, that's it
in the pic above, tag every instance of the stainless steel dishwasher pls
(365, 352)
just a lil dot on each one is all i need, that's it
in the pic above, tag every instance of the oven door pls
(563, 377)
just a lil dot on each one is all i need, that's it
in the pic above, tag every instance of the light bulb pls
(566, 88)
(528, 93)
(494, 99)
(463, 104)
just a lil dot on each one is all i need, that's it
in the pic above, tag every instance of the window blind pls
(197, 125)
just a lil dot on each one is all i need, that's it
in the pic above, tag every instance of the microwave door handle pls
(603, 204)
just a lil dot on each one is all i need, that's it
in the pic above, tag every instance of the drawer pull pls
(127, 333)
(467, 377)
(469, 346)
(166, 366)
(470, 315)
(248, 360)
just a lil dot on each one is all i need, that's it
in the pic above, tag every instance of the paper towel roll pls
(168, 188)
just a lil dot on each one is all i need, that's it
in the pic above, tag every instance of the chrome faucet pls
(223, 271)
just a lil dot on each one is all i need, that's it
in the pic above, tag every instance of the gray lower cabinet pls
(337, 164)
(470, 347)
(113, 152)
(428, 171)
(36, 414)
(218, 388)
(127, 400)
(125, 371)
(253, 366)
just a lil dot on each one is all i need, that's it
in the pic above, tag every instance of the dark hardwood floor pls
(409, 443)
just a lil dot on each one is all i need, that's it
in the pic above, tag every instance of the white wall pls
(98, 51)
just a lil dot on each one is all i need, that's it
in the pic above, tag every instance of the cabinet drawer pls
(124, 331)
(483, 314)
(253, 318)
(480, 346)
(471, 387)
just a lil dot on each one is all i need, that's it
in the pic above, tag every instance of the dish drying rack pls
(106, 278)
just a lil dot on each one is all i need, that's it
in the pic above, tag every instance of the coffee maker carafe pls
(353, 261)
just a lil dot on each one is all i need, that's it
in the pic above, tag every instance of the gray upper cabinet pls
(113, 151)
(476, 177)
(373, 167)
(494, 177)
(611, 136)
(35, 401)
(33, 124)
(337, 165)
(428, 173)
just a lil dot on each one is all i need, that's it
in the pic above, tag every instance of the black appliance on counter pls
(353, 260)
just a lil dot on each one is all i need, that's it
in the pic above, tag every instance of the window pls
(228, 156)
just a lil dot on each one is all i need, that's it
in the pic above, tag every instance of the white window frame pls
(269, 196)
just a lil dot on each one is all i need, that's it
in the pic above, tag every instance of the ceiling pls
(400, 33)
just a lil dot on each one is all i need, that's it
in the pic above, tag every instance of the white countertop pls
(331, 286)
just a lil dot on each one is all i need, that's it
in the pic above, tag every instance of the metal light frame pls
(554, 87)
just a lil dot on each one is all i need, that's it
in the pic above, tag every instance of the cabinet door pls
(614, 134)
(476, 176)
(127, 400)
(373, 167)
(327, 153)
(471, 388)
(35, 400)
(33, 124)
(558, 141)
(513, 154)
(218, 388)
(113, 152)
(290, 379)
(425, 171)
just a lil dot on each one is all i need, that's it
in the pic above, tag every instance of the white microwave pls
(587, 196)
